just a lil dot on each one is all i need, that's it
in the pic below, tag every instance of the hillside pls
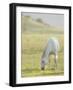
(30, 25)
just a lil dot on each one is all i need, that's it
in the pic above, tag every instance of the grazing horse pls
(51, 48)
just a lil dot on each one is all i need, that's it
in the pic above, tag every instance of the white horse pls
(52, 47)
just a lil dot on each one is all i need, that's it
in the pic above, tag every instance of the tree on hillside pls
(39, 20)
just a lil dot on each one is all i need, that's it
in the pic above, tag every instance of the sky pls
(56, 20)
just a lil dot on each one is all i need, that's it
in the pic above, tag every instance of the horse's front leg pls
(49, 61)
(56, 60)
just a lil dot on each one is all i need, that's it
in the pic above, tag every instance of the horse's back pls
(53, 45)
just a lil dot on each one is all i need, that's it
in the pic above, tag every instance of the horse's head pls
(42, 64)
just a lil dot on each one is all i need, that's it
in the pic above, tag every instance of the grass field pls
(34, 37)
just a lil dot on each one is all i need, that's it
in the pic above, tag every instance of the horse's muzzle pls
(43, 68)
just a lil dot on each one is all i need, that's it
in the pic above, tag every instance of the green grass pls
(32, 49)
(32, 46)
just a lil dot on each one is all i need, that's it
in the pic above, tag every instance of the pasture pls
(32, 49)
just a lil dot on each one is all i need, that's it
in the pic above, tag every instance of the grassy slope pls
(29, 25)
(34, 38)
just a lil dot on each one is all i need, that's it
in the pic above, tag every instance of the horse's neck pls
(46, 53)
